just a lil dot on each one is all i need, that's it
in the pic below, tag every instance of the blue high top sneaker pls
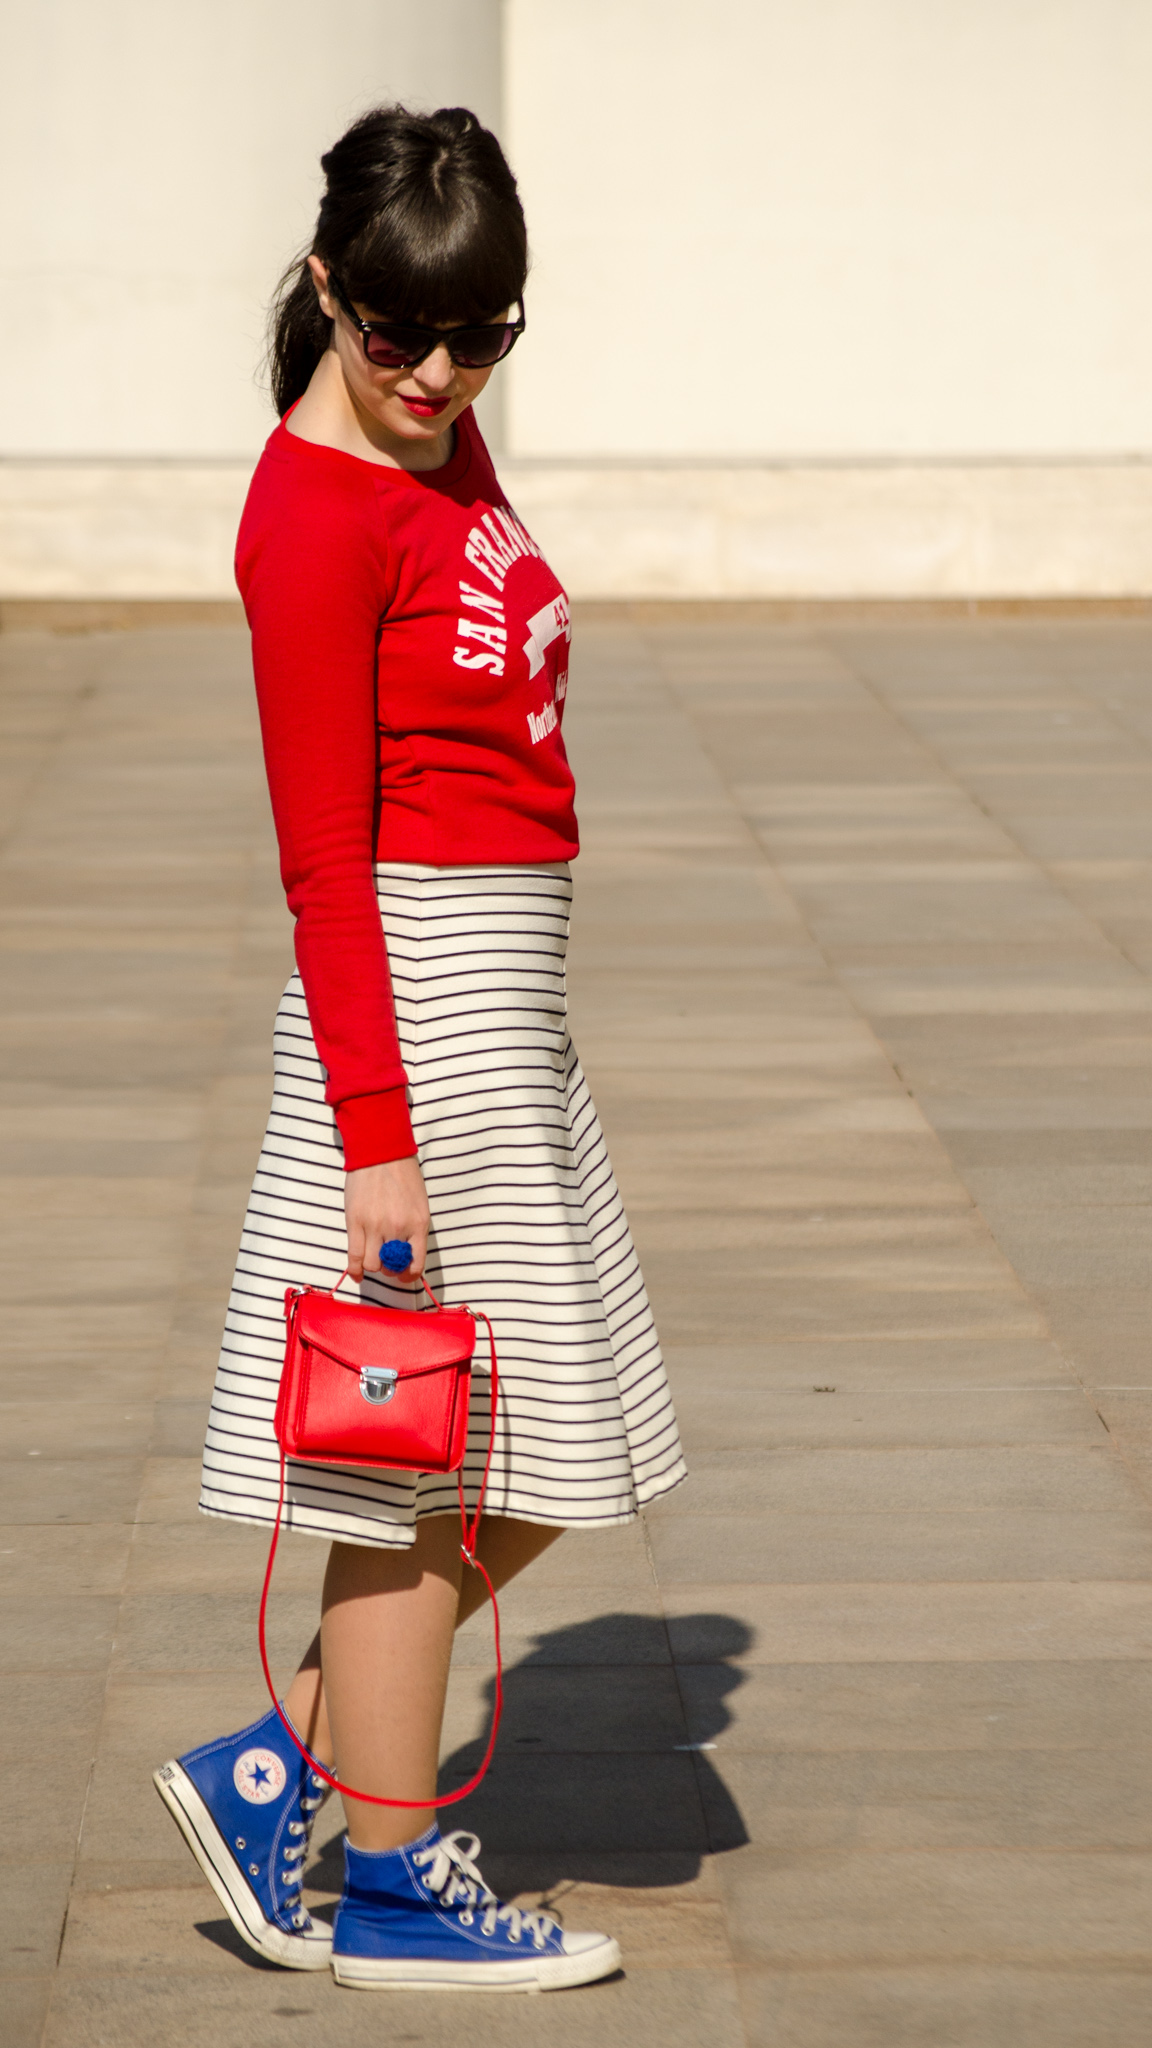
(422, 1917)
(245, 1806)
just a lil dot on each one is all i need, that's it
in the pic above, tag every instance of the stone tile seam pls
(949, 777)
(893, 1068)
(687, 1724)
(1046, 869)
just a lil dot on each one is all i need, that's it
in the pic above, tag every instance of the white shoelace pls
(294, 1853)
(454, 1876)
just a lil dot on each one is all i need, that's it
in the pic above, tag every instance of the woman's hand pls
(382, 1202)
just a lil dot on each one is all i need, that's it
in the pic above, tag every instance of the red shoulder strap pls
(468, 1534)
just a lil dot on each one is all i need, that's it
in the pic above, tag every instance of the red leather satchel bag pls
(345, 1364)
(365, 1387)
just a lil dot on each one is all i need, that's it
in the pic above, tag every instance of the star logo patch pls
(259, 1776)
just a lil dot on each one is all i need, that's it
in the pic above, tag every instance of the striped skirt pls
(527, 1224)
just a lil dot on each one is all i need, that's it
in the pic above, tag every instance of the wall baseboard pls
(838, 531)
(164, 532)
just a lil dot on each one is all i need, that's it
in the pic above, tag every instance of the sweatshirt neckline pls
(449, 472)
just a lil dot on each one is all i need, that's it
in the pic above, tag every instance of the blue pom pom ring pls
(396, 1254)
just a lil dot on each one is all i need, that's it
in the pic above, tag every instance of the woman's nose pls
(436, 371)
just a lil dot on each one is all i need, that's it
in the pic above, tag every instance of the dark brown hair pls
(420, 220)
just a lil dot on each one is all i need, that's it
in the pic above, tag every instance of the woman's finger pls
(355, 1248)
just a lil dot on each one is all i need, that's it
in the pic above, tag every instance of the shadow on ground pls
(596, 1777)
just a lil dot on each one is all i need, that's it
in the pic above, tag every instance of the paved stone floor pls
(850, 1742)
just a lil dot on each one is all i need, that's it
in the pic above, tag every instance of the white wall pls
(158, 167)
(917, 227)
(921, 231)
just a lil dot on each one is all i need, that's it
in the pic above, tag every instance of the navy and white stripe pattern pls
(527, 1224)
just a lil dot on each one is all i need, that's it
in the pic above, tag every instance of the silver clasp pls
(377, 1383)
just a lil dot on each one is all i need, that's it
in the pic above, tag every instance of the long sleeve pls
(312, 571)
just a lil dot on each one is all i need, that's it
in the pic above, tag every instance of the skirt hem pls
(406, 1531)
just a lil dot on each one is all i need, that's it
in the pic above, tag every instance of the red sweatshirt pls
(410, 647)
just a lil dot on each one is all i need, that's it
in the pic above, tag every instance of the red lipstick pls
(425, 408)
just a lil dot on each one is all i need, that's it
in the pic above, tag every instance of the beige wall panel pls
(837, 228)
(158, 167)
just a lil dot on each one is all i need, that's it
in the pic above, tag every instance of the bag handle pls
(468, 1534)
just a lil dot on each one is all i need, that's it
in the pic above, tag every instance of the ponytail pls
(300, 335)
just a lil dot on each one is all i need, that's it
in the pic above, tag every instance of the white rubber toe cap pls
(583, 1944)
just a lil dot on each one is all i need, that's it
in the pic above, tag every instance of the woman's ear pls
(319, 269)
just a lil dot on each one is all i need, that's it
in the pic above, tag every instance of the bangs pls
(434, 263)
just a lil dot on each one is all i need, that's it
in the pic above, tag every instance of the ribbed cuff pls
(375, 1128)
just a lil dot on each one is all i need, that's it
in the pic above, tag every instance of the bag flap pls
(405, 1340)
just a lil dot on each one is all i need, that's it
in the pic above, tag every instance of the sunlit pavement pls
(849, 1744)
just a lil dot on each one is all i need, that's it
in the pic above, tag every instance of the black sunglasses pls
(394, 347)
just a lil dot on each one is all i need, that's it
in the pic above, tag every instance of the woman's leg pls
(504, 1548)
(408, 1638)
(386, 1644)
(306, 1708)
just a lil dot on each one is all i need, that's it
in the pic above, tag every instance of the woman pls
(410, 648)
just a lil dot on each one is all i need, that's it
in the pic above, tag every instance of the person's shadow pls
(600, 1774)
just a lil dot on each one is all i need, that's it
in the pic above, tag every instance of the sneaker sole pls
(215, 1858)
(548, 1973)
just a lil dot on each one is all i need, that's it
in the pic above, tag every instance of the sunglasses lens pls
(475, 348)
(395, 347)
